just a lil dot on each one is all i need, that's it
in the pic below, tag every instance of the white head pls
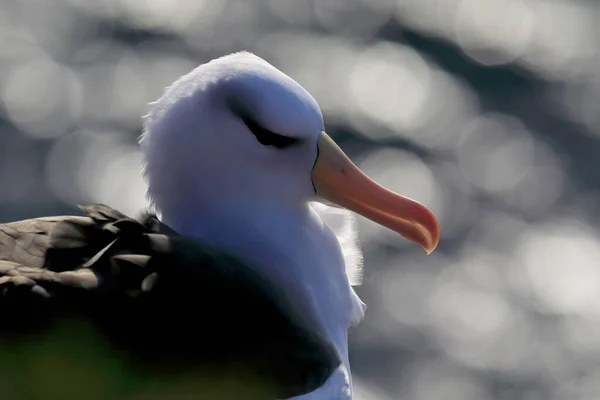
(238, 134)
(204, 135)
(235, 149)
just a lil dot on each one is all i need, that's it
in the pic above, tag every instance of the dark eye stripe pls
(268, 138)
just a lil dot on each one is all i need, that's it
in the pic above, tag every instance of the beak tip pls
(429, 233)
(430, 248)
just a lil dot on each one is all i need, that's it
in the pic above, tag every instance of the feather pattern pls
(343, 224)
(167, 300)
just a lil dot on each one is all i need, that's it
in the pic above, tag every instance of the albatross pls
(236, 270)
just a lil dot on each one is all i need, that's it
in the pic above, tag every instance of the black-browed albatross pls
(240, 273)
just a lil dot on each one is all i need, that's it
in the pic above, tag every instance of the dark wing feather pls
(167, 302)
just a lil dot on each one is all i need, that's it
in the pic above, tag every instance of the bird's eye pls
(268, 138)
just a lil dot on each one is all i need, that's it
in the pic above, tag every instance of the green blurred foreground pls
(73, 362)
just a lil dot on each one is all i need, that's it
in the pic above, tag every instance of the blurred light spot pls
(587, 388)
(483, 268)
(42, 98)
(97, 88)
(499, 155)
(226, 26)
(119, 181)
(581, 333)
(98, 167)
(108, 9)
(579, 103)
(160, 71)
(479, 328)
(96, 50)
(494, 32)
(560, 265)
(366, 16)
(115, 89)
(62, 166)
(450, 105)
(56, 26)
(461, 210)
(436, 379)
(404, 295)
(119, 84)
(548, 37)
(495, 153)
(497, 232)
(543, 185)
(175, 15)
(362, 391)
(291, 11)
(18, 169)
(468, 314)
(128, 98)
(18, 43)
(111, 173)
(433, 17)
(561, 44)
(391, 84)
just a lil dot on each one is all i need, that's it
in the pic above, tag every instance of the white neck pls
(276, 237)
(261, 233)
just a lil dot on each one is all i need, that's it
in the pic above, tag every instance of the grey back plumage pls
(166, 303)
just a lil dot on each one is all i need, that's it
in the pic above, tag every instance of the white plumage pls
(233, 156)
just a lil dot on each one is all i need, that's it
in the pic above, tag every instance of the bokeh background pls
(485, 110)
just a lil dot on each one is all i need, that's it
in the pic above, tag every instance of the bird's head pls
(238, 130)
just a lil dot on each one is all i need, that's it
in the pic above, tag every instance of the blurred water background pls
(485, 110)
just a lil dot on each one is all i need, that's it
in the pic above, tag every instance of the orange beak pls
(340, 181)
